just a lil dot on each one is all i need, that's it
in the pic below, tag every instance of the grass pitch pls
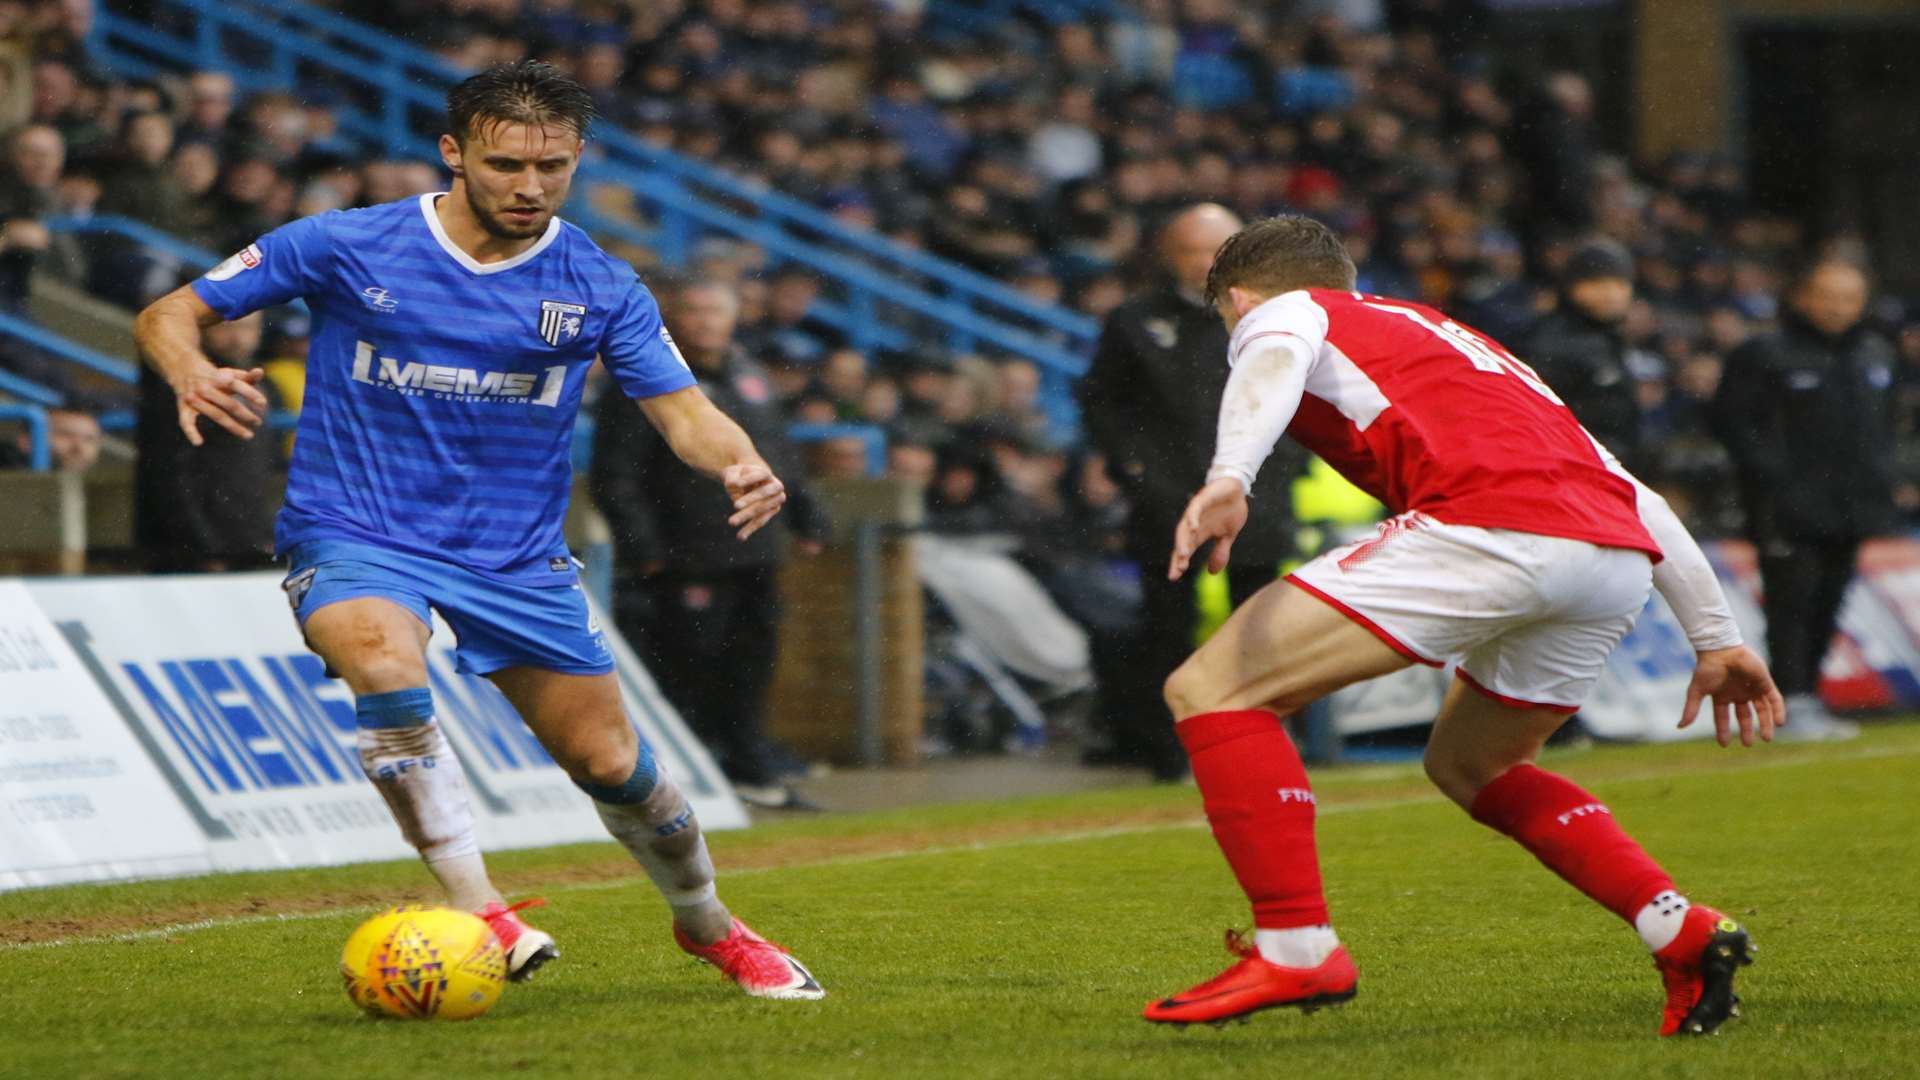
(1021, 938)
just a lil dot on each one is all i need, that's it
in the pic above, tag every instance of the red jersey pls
(1425, 414)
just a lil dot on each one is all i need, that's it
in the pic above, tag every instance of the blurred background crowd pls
(1046, 156)
(1050, 156)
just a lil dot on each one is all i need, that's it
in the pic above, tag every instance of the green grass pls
(1021, 939)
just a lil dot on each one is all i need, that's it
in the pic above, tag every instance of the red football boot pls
(526, 948)
(1254, 984)
(1697, 968)
(760, 967)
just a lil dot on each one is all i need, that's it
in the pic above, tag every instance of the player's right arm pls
(289, 262)
(168, 336)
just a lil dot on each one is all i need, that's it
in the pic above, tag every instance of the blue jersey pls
(441, 392)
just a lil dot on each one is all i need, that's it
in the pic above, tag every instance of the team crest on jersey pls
(560, 322)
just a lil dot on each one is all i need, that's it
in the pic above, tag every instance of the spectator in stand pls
(205, 509)
(1806, 412)
(701, 610)
(926, 374)
(1150, 402)
(73, 443)
(140, 184)
(843, 379)
(791, 328)
(1581, 352)
(36, 155)
(209, 109)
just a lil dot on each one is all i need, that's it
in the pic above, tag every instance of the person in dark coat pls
(1580, 350)
(1806, 414)
(702, 610)
(208, 508)
(1150, 403)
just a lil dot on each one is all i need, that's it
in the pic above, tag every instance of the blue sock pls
(636, 788)
(395, 708)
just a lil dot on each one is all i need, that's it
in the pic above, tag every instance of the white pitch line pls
(1078, 836)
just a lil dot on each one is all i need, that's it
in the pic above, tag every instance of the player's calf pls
(407, 757)
(650, 817)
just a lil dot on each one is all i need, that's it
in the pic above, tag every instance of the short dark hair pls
(1280, 254)
(523, 92)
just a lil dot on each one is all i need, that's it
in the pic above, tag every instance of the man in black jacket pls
(1806, 413)
(702, 610)
(1151, 404)
(205, 509)
(1580, 351)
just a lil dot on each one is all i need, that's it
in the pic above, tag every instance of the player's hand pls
(229, 397)
(757, 496)
(1216, 512)
(1742, 691)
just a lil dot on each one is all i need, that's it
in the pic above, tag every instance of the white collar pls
(474, 265)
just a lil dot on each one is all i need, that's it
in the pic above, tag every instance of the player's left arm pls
(1725, 669)
(1263, 393)
(711, 443)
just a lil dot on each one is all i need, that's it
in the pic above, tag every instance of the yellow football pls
(424, 963)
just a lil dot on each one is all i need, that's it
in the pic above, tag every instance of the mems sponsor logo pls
(262, 723)
(448, 383)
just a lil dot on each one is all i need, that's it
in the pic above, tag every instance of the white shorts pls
(1527, 620)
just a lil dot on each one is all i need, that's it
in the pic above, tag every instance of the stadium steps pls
(389, 95)
(80, 317)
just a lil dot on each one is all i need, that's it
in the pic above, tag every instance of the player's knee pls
(383, 668)
(1457, 778)
(618, 773)
(1185, 692)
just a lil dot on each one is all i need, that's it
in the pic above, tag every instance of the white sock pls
(663, 836)
(1660, 921)
(1300, 947)
(418, 775)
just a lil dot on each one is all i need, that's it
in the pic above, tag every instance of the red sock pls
(1575, 835)
(1261, 810)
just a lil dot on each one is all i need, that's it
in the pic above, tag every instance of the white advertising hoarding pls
(80, 799)
(255, 746)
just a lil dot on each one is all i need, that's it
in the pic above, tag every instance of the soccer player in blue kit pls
(453, 336)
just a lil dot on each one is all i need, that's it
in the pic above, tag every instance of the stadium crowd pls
(1043, 155)
(1047, 156)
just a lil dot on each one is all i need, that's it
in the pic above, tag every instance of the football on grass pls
(424, 963)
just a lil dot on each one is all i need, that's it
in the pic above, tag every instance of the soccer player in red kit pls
(1519, 556)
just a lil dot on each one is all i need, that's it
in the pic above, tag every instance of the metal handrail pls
(42, 338)
(401, 94)
(874, 438)
(967, 326)
(41, 456)
(146, 236)
(770, 203)
(30, 391)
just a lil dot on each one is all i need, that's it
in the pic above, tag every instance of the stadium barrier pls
(177, 725)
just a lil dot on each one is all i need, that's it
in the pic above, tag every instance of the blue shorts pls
(497, 625)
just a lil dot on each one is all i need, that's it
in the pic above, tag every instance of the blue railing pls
(418, 68)
(46, 340)
(974, 16)
(873, 438)
(30, 391)
(122, 420)
(146, 236)
(407, 82)
(35, 417)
